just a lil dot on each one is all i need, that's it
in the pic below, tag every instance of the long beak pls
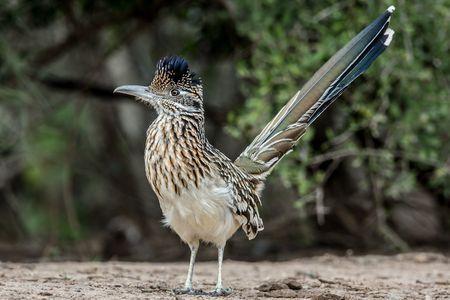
(141, 92)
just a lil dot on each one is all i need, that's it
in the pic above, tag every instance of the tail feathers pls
(362, 64)
(287, 127)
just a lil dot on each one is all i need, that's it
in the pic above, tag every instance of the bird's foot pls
(188, 291)
(220, 291)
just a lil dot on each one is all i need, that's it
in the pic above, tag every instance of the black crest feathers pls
(176, 69)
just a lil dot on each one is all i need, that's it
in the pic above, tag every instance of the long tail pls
(287, 127)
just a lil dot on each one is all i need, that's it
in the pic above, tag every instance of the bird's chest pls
(172, 162)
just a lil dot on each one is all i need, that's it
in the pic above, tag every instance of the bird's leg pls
(220, 290)
(188, 283)
(219, 269)
(187, 289)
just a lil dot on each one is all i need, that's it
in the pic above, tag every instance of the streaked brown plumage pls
(205, 196)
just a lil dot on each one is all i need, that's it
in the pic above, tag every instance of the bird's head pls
(173, 90)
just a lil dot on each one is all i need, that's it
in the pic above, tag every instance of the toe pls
(188, 291)
(221, 292)
(180, 291)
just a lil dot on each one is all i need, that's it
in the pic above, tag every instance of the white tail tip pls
(391, 9)
(390, 34)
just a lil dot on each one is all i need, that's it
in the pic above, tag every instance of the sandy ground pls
(406, 276)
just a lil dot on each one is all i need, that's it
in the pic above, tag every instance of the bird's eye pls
(174, 92)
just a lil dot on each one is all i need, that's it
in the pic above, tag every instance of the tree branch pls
(105, 93)
(84, 31)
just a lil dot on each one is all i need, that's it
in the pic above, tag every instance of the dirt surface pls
(406, 276)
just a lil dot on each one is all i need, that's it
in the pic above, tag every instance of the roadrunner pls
(205, 196)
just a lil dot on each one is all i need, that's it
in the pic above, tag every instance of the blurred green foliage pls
(67, 165)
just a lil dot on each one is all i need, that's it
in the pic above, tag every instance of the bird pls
(204, 195)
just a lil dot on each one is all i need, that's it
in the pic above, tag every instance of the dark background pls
(372, 175)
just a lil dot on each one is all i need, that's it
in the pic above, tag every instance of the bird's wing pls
(288, 126)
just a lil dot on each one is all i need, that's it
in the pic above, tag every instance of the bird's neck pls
(176, 128)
